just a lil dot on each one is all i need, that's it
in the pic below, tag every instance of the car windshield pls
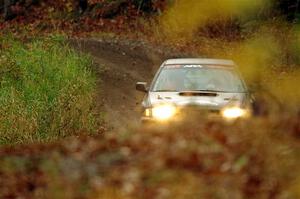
(198, 78)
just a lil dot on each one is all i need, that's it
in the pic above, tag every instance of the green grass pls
(46, 91)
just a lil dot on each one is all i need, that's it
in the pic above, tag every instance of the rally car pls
(213, 87)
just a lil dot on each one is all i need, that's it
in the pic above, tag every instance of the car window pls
(198, 77)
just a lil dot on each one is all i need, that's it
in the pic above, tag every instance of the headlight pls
(163, 112)
(234, 112)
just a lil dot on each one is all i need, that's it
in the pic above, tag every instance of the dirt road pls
(118, 66)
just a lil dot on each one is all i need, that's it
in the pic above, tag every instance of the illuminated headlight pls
(162, 112)
(233, 113)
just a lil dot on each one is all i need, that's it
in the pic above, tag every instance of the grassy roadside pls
(46, 91)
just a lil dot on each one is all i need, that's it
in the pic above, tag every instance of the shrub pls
(257, 158)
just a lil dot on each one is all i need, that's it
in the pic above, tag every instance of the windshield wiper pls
(166, 90)
(218, 91)
(210, 90)
(200, 90)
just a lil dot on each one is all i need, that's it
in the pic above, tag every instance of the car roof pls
(223, 62)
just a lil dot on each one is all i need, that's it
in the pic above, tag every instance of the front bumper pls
(186, 116)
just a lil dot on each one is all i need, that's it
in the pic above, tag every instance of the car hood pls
(211, 100)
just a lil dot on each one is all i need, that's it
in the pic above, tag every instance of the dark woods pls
(289, 9)
(8, 7)
(80, 5)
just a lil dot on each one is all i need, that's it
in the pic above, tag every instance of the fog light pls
(233, 112)
(147, 112)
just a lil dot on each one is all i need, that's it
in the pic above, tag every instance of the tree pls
(144, 5)
(80, 6)
(289, 9)
(7, 12)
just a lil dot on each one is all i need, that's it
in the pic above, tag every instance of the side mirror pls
(141, 86)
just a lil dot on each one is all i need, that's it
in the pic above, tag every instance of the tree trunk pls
(289, 9)
(1, 5)
(7, 12)
(144, 5)
(80, 6)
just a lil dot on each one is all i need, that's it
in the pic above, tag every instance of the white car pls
(181, 85)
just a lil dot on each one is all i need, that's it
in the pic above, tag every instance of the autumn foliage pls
(63, 16)
(253, 159)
